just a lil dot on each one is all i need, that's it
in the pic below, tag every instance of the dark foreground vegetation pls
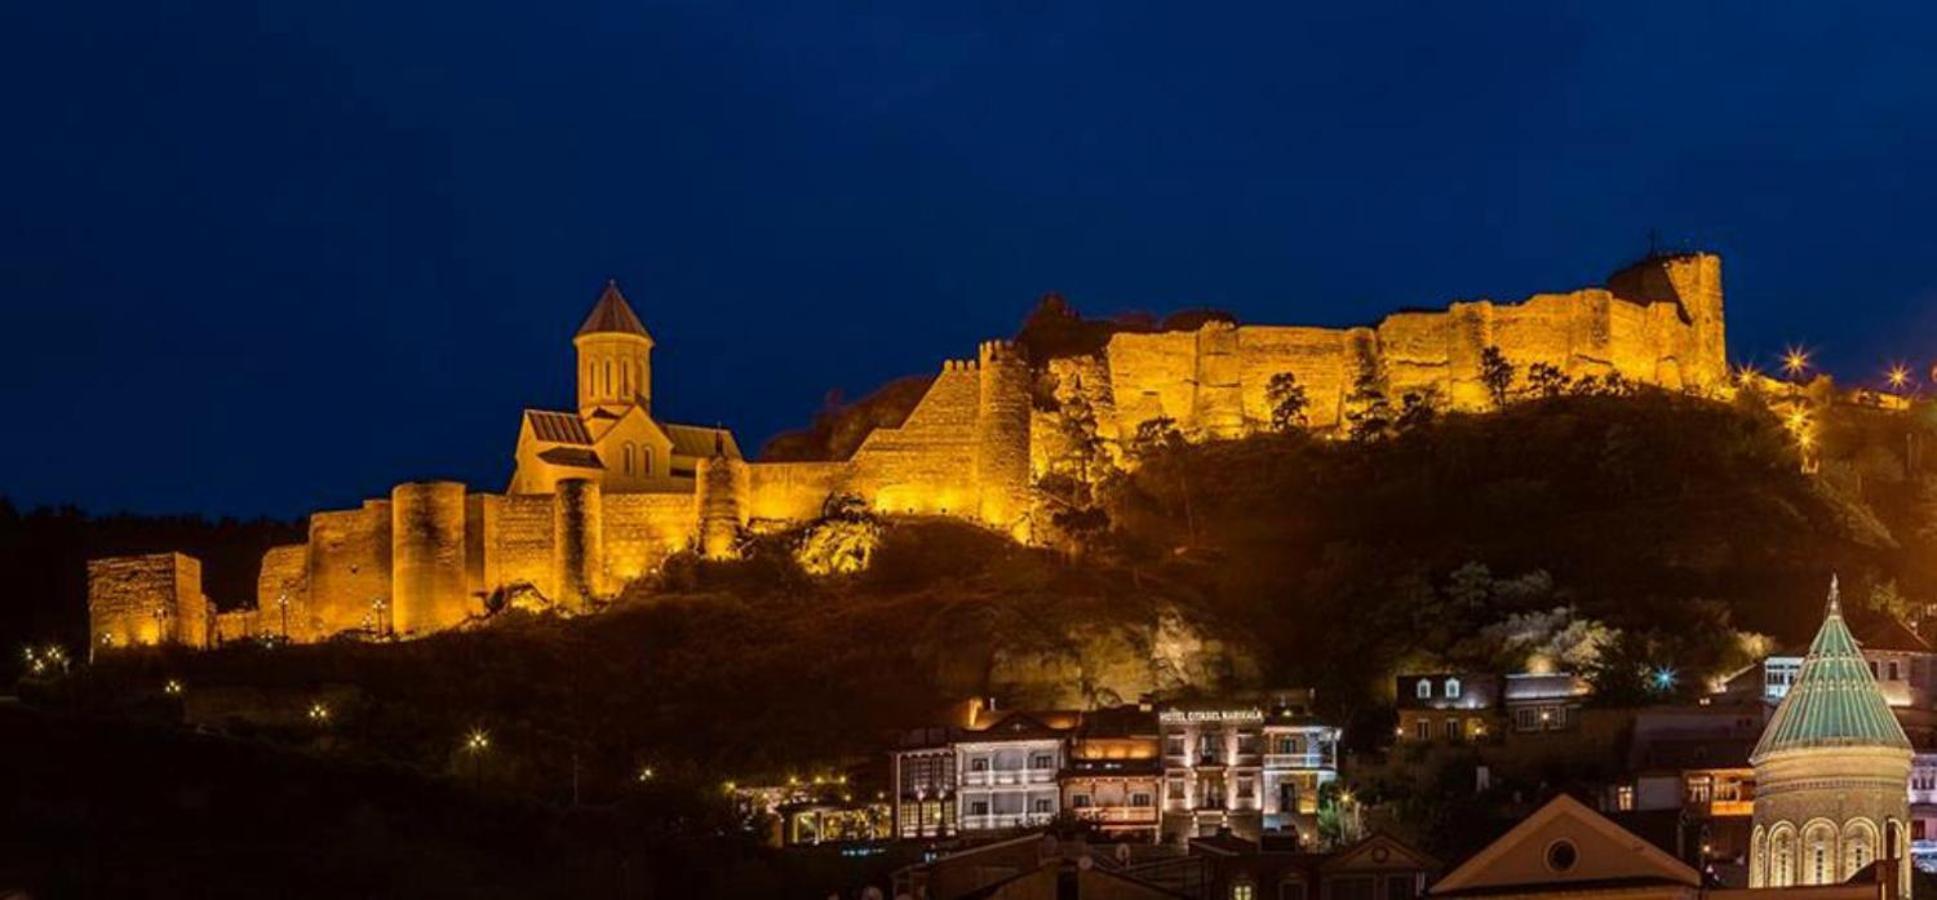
(1620, 536)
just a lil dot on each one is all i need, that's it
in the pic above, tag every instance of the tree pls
(1155, 436)
(1368, 414)
(1497, 374)
(1288, 400)
(1547, 380)
(1417, 409)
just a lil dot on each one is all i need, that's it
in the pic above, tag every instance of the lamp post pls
(282, 603)
(475, 744)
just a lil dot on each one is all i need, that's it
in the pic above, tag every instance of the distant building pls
(1243, 765)
(923, 783)
(1469, 706)
(1114, 777)
(1007, 772)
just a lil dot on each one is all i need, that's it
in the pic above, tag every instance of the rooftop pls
(1835, 701)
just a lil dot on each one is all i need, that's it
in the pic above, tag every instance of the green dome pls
(1835, 701)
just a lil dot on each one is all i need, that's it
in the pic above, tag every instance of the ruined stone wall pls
(349, 566)
(578, 543)
(284, 578)
(147, 600)
(927, 465)
(793, 491)
(524, 542)
(723, 485)
(641, 530)
(429, 583)
(1660, 323)
(1002, 428)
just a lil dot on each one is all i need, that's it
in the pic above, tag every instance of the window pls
(1243, 891)
(1141, 799)
(628, 457)
(1401, 887)
(1288, 745)
(1895, 673)
(645, 460)
(1876, 671)
(1452, 729)
(1562, 855)
(608, 377)
(1624, 798)
(1700, 788)
(1424, 689)
(1042, 806)
(978, 807)
(1174, 745)
(1246, 789)
(1526, 718)
(979, 764)
(1042, 761)
(1423, 729)
(1079, 801)
(1452, 689)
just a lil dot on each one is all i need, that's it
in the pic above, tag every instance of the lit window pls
(1452, 689)
(1424, 689)
(1624, 798)
(1243, 892)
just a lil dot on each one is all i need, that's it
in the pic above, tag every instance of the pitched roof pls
(576, 457)
(1883, 631)
(1834, 701)
(700, 441)
(558, 427)
(1606, 855)
(612, 315)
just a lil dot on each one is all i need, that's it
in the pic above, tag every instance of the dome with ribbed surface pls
(1834, 701)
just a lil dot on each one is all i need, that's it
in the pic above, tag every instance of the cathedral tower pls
(614, 357)
(1832, 773)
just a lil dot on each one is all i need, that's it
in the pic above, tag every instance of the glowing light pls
(1663, 679)
(173, 688)
(477, 741)
(319, 712)
(1899, 376)
(1795, 361)
(645, 773)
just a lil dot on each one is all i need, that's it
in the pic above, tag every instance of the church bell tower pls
(614, 357)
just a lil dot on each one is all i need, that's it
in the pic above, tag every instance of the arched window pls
(628, 457)
(1424, 689)
(1859, 847)
(625, 379)
(645, 457)
(1782, 856)
(1452, 689)
(1819, 853)
(1758, 863)
(608, 378)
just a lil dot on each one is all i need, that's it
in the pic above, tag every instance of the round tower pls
(721, 489)
(1832, 773)
(1001, 470)
(614, 357)
(428, 581)
(578, 542)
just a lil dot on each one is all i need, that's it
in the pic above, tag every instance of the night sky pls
(265, 258)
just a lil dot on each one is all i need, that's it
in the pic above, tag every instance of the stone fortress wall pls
(426, 558)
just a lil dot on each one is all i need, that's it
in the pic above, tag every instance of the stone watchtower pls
(1832, 773)
(1002, 436)
(614, 357)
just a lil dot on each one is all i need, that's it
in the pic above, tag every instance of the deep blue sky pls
(261, 258)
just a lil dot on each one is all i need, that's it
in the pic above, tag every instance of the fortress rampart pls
(431, 555)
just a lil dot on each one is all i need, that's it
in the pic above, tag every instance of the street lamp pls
(1795, 361)
(475, 744)
(319, 712)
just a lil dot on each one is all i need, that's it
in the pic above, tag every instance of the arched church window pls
(608, 378)
(625, 379)
(1859, 847)
(628, 457)
(1758, 859)
(1782, 857)
(645, 456)
(1819, 845)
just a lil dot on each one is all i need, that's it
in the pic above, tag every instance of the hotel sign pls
(1179, 716)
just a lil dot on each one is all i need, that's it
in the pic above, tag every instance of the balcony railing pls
(1005, 820)
(1118, 815)
(1001, 777)
(1313, 760)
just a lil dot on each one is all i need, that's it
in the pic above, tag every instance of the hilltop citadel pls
(602, 494)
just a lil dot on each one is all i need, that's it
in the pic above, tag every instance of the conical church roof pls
(1835, 701)
(612, 315)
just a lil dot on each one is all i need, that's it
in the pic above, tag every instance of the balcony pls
(995, 821)
(1312, 760)
(1008, 777)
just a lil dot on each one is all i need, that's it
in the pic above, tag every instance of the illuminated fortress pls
(604, 493)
